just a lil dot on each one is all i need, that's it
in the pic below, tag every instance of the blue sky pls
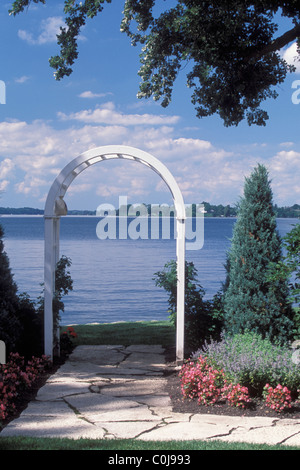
(44, 124)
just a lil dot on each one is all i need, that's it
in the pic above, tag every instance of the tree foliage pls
(21, 319)
(200, 324)
(229, 48)
(63, 285)
(289, 267)
(252, 301)
(288, 270)
(9, 323)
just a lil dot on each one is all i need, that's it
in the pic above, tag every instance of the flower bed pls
(239, 369)
(209, 386)
(16, 377)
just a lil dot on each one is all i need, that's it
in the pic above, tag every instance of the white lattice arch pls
(55, 207)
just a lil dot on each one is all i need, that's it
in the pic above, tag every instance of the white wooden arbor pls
(55, 207)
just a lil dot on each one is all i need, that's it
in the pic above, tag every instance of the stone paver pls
(119, 392)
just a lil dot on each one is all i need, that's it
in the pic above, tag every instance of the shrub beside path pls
(113, 391)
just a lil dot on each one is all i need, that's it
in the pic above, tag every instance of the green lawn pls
(27, 443)
(126, 333)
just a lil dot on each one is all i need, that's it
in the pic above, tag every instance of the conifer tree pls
(251, 300)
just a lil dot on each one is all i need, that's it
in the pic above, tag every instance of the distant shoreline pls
(6, 216)
(211, 211)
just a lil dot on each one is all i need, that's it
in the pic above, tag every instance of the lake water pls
(113, 279)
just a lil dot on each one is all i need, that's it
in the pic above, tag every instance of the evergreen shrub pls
(252, 301)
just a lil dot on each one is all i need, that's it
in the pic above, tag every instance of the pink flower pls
(278, 398)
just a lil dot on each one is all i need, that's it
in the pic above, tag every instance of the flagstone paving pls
(120, 392)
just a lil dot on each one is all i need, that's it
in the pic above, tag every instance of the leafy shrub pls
(63, 284)
(200, 321)
(288, 269)
(252, 361)
(237, 395)
(16, 376)
(200, 380)
(208, 384)
(66, 340)
(278, 398)
(21, 319)
(30, 342)
(10, 326)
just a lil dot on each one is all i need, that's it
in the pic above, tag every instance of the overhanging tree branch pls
(278, 43)
(230, 45)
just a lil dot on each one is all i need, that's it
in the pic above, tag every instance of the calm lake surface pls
(113, 279)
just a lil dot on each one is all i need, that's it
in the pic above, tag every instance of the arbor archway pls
(55, 207)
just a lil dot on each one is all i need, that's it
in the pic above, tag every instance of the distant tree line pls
(283, 212)
(20, 211)
(32, 211)
(228, 211)
(211, 210)
(219, 210)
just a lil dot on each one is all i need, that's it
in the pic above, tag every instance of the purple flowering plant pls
(253, 362)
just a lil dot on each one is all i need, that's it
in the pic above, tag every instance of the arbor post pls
(51, 258)
(180, 253)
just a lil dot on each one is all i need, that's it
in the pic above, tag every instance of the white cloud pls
(49, 29)
(34, 153)
(25, 36)
(30, 185)
(22, 79)
(287, 144)
(292, 57)
(79, 188)
(107, 114)
(3, 185)
(284, 170)
(286, 158)
(195, 144)
(91, 95)
(6, 167)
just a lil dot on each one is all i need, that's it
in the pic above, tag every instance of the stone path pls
(119, 392)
